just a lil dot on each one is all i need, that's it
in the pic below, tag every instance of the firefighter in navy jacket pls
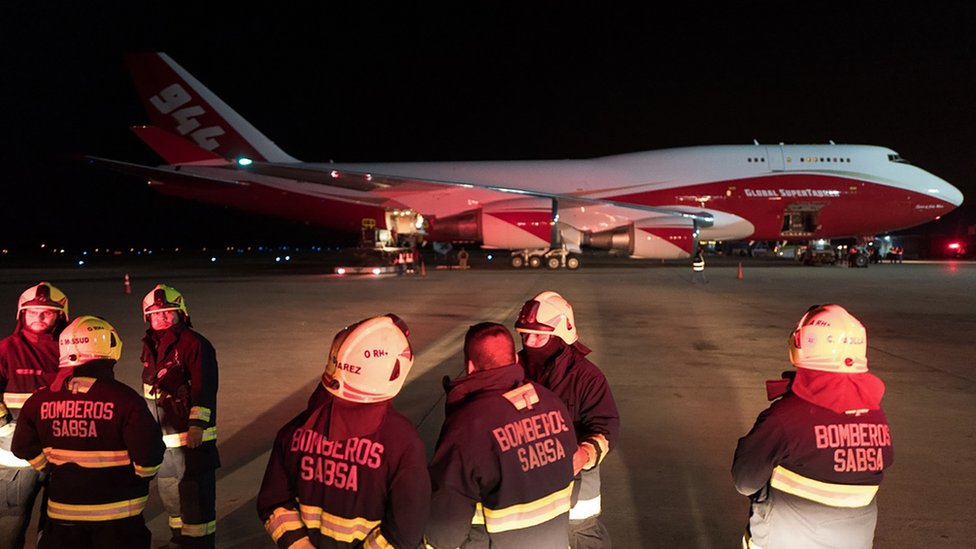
(504, 456)
(553, 356)
(350, 471)
(28, 361)
(813, 462)
(179, 378)
(96, 439)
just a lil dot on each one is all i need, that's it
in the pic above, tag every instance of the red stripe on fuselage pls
(850, 206)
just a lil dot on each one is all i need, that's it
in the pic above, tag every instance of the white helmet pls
(369, 361)
(88, 338)
(548, 313)
(163, 298)
(43, 296)
(829, 339)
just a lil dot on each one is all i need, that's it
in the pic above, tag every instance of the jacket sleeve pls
(26, 443)
(203, 384)
(599, 424)
(758, 453)
(143, 439)
(408, 506)
(5, 415)
(454, 498)
(277, 501)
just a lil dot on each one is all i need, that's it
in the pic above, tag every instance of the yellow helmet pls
(829, 339)
(548, 313)
(88, 338)
(163, 298)
(370, 360)
(43, 296)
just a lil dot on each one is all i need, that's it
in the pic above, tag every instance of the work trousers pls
(188, 489)
(109, 534)
(588, 533)
(19, 487)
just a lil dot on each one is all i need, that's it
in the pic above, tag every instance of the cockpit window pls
(897, 158)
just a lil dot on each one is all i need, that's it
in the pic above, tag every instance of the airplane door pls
(774, 154)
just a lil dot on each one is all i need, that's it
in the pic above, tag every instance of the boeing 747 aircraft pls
(655, 204)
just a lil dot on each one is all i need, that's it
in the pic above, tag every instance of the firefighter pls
(28, 361)
(96, 439)
(504, 456)
(813, 461)
(350, 471)
(553, 356)
(179, 378)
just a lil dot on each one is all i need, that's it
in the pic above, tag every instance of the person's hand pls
(303, 543)
(580, 457)
(194, 437)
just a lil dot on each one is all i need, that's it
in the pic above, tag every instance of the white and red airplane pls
(655, 204)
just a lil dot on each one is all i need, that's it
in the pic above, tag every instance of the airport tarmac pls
(686, 362)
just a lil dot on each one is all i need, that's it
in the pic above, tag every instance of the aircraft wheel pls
(861, 261)
(518, 261)
(573, 262)
(552, 263)
(535, 262)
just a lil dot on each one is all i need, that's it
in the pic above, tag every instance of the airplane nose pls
(944, 190)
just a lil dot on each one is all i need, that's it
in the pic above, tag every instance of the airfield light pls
(490, 257)
(341, 270)
(243, 161)
(213, 259)
(278, 259)
(81, 262)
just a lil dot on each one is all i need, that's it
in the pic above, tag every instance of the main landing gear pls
(552, 259)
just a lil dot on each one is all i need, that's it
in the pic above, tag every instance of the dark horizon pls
(473, 83)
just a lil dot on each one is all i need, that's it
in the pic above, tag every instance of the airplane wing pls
(378, 182)
(168, 174)
(215, 179)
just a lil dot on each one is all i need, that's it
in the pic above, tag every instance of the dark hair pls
(489, 345)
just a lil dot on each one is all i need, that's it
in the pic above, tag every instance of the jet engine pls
(653, 238)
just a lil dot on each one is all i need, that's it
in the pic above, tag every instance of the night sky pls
(464, 83)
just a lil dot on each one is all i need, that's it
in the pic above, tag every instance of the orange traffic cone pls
(423, 269)
(126, 287)
(739, 274)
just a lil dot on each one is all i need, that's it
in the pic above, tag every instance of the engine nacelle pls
(652, 238)
(512, 224)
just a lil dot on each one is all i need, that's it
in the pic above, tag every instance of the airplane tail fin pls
(177, 150)
(179, 104)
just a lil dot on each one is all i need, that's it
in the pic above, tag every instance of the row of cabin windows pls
(807, 159)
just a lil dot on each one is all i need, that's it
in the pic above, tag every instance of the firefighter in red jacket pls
(813, 461)
(553, 356)
(96, 439)
(179, 378)
(504, 456)
(28, 361)
(350, 471)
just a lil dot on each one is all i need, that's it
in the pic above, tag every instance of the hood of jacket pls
(839, 392)
(503, 379)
